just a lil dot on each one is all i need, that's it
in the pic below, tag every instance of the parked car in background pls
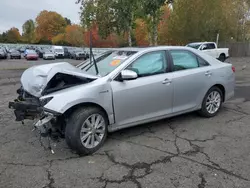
(31, 55)
(66, 52)
(3, 54)
(40, 52)
(71, 52)
(211, 49)
(7, 49)
(78, 54)
(86, 55)
(58, 51)
(21, 49)
(124, 88)
(48, 55)
(15, 54)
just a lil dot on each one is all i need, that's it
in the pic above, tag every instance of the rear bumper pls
(31, 58)
(49, 57)
(15, 56)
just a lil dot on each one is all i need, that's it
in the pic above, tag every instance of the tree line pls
(116, 23)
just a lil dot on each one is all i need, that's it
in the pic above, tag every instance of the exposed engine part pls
(44, 125)
(62, 81)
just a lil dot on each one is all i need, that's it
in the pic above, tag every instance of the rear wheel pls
(86, 130)
(211, 103)
(222, 57)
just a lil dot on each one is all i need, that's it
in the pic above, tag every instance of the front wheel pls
(211, 103)
(86, 130)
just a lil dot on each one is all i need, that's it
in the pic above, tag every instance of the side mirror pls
(128, 75)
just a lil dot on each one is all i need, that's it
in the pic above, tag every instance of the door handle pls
(208, 73)
(166, 81)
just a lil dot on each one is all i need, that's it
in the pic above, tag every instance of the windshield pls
(107, 62)
(31, 52)
(58, 50)
(194, 45)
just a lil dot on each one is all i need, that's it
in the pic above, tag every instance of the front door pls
(149, 96)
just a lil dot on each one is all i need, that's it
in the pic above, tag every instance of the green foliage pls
(12, 35)
(88, 12)
(29, 31)
(68, 21)
(3, 37)
(59, 40)
(199, 20)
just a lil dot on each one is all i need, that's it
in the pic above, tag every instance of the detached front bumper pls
(46, 120)
(25, 110)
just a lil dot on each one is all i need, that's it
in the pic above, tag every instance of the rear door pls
(191, 79)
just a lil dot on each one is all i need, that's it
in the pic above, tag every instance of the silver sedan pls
(123, 88)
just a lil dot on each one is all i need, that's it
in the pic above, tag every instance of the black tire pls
(73, 129)
(203, 111)
(222, 57)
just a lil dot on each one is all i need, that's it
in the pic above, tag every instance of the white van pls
(58, 51)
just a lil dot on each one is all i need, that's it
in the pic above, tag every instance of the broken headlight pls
(45, 101)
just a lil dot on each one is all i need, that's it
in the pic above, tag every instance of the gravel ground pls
(186, 151)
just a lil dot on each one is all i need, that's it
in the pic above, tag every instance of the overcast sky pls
(13, 13)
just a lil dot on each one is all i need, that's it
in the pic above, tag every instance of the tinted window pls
(150, 64)
(202, 62)
(194, 45)
(204, 47)
(210, 46)
(183, 60)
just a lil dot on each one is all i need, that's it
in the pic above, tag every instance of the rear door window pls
(183, 60)
(210, 46)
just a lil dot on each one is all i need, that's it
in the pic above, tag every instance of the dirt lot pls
(186, 151)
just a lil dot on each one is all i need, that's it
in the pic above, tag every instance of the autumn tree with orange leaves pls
(141, 34)
(74, 35)
(13, 35)
(49, 25)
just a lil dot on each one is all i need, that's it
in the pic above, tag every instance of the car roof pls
(152, 48)
(199, 43)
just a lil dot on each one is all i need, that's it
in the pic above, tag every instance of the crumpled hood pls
(35, 79)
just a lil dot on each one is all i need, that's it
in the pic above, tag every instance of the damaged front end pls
(39, 81)
(28, 107)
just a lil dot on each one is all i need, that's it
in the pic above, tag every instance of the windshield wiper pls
(91, 53)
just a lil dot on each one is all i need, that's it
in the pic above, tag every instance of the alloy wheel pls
(213, 102)
(92, 131)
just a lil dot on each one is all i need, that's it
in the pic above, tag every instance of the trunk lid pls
(35, 79)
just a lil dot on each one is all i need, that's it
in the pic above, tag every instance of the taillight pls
(233, 68)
